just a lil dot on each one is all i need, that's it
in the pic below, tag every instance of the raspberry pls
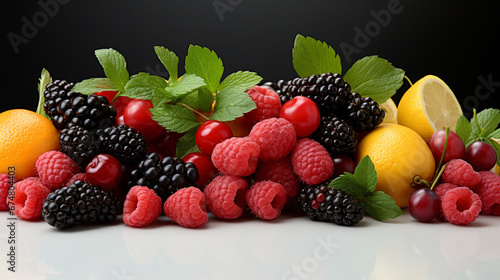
(187, 207)
(76, 177)
(268, 104)
(236, 156)
(460, 205)
(55, 169)
(311, 162)
(279, 171)
(5, 183)
(276, 138)
(442, 188)
(489, 192)
(28, 198)
(141, 207)
(225, 196)
(459, 172)
(266, 199)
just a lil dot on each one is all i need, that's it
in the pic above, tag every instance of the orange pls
(24, 136)
(399, 154)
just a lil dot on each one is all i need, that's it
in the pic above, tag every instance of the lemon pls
(399, 154)
(427, 106)
(391, 111)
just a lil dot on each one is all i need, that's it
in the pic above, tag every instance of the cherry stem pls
(437, 177)
(195, 111)
(447, 131)
(477, 122)
(408, 79)
(417, 180)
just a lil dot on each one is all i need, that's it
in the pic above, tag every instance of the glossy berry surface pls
(481, 156)
(104, 170)
(137, 115)
(342, 163)
(424, 205)
(303, 113)
(165, 144)
(211, 133)
(205, 167)
(454, 150)
(109, 94)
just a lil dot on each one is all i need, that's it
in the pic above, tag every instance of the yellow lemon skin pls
(427, 106)
(391, 111)
(399, 154)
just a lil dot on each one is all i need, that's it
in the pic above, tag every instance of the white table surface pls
(291, 247)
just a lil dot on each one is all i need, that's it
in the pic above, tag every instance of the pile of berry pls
(466, 187)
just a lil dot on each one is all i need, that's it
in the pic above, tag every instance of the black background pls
(456, 40)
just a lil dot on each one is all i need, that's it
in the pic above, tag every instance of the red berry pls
(211, 133)
(28, 198)
(460, 206)
(454, 150)
(275, 136)
(104, 170)
(165, 145)
(55, 169)
(236, 156)
(342, 163)
(266, 199)
(225, 196)
(205, 167)
(137, 115)
(187, 207)
(424, 205)
(303, 113)
(120, 103)
(481, 156)
(141, 207)
(311, 162)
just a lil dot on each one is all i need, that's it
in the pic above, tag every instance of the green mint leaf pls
(495, 134)
(348, 183)
(115, 67)
(463, 128)
(205, 99)
(230, 104)
(488, 120)
(94, 85)
(183, 87)
(187, 143)
(241, 80)
(205, 64)
(44, 80)
(175, 118)
(313, 57)
(365, 174)
(170, 60)
(381, 206)
(149, 87)
(374, 77)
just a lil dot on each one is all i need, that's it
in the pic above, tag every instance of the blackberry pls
(66, 107)
(336, 135)
(329, 91)
(363, 113)
(165, 176)
(80, 203)
(123, 142)
(79, 144)
(321, 203)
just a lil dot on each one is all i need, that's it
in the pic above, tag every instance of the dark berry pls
(336, 135)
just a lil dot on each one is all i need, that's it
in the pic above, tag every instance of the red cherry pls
(104, 170)
(137, 115)
(454, 150)
(481, 156)
(206, 168)
(341, 164)
(165, 144)
(120, 103)
(211, 133)
(424, 205)
(303, 113)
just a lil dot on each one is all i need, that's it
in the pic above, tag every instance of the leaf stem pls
(409, 81)
(195, 111)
